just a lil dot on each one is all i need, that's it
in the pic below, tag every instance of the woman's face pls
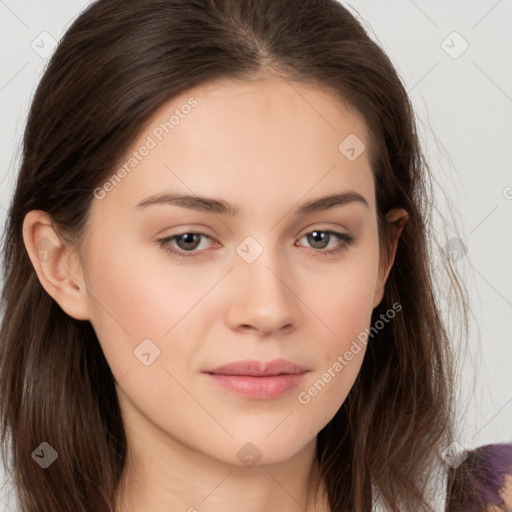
(253, 285)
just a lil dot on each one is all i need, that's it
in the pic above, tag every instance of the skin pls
(505, 495)
(266, 146)
(506, 492)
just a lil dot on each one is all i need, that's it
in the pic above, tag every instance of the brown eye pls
(319, 239)
(189, 241)
(186, 243)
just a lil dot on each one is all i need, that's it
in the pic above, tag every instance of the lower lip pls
(262, 388)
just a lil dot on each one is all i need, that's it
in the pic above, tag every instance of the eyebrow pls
(219, 206)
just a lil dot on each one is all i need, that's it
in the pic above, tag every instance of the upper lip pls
(256, 368)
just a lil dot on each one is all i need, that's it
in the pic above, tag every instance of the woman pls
(259, 366)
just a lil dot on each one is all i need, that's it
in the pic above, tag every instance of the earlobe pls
(55, 264)
(398, 217)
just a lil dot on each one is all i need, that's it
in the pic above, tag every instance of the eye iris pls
(318, 234)
(189, 239)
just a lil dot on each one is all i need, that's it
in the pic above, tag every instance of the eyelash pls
(347, 240)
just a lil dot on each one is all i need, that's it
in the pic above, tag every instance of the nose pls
(262, 297)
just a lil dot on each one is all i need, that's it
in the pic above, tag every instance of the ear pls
(56, 265)
(398, 217)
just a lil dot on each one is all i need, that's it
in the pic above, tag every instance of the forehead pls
(269, 105)
(240, 140)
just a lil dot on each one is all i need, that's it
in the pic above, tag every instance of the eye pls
(319, 237)
(188, 241)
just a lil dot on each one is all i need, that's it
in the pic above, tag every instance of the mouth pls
(254, 368)
(257, 380)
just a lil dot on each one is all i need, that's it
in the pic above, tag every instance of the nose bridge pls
(263, 297)
(261, 264)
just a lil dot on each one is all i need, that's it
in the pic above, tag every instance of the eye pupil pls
(322, 235)
(188, 238)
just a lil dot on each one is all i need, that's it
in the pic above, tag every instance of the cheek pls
(137, 298)
(325, 391)
(341, 337)
(343, 300)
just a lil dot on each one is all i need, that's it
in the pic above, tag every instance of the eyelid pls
(321, 227)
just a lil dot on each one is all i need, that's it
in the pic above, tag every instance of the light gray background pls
(464, 108)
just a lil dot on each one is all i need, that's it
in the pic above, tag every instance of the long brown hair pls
(116, 65)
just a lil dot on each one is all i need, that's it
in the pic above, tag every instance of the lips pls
(256, 368)
(258, 380)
